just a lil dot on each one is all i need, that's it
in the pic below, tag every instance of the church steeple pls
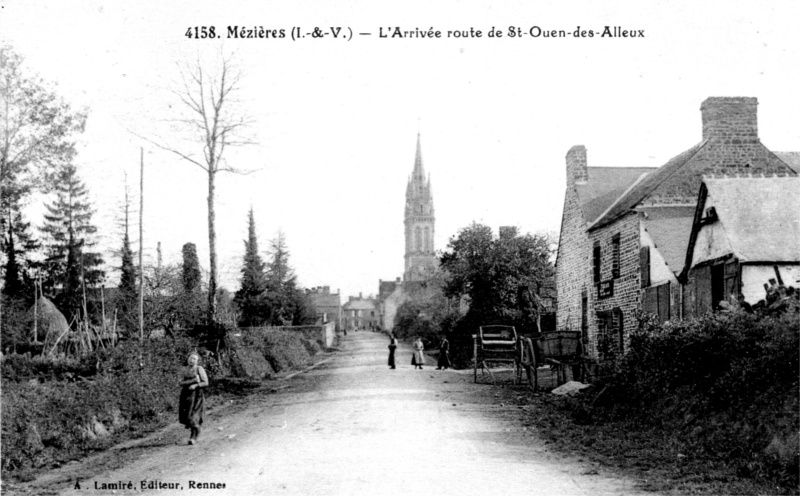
(420, 258)
(419, 169)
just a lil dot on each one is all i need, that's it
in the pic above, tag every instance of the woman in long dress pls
(392, 347)
(418, 359)
(191, 407)
(444, 355)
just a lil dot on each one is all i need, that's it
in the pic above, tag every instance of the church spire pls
(420, 258)
(419, 170)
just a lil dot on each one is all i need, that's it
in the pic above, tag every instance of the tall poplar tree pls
(128, 292)
(251, 297)
(127, 279)
(191, 269)
(190, 301)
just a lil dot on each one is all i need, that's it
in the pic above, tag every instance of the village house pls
(360, 314)
(625, 231)
(327, 305)
(745, 238)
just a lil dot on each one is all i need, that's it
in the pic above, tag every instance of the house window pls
(596, 262)
(724, 282)
(610, 342)
(615, 256)
(584, 318)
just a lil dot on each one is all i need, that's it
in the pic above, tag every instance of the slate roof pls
(359, 305)
(670, 227)
(760, 216)
(792, 159)
(650, 182)
(325, 300)
(605, 185)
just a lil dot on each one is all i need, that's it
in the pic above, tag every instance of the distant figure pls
(191, 406)
(392, 347)
(418, 358)
(444, 355)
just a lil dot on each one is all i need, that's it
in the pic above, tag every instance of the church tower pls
(420, 258)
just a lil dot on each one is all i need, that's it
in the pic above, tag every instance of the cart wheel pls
(531, 367)
(475, 360)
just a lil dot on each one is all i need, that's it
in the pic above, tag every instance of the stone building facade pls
(625, 231)
(361, 314)
(327, 305)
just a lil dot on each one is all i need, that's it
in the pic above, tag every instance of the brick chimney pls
(731, 119)
(577, 173)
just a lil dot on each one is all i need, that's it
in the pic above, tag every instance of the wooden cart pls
(559, 350)
(500, 344)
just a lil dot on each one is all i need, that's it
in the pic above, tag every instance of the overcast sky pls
(336, 120)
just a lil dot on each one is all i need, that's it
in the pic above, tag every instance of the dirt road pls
(352, 426)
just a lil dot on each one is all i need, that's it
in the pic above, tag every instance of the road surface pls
(349, 427)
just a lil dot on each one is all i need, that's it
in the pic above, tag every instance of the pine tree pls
(12, 283)
(281, 282)
(251, 297)
(68, 228)
(17, 245)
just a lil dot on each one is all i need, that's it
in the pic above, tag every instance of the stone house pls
(360, 314)
(625, 231)
(327, 305)
(745, 237)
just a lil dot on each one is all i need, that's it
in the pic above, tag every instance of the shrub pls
(130, 388)
(728, 384)
(285, 350)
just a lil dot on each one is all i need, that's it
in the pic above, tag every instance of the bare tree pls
(215, 123)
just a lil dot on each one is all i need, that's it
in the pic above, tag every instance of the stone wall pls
(627, 287)
(573, 267)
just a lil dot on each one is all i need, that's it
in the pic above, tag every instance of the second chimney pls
(731, 119)
(577, 172)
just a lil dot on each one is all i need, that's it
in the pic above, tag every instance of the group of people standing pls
(418, 355)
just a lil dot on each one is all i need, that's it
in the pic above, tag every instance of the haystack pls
(51, 322)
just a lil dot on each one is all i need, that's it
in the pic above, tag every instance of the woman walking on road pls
(392, 347)
(418, 359)
(444, 354)
(191, 407)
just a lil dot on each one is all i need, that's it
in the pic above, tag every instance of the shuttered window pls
(664, 302)
(731, 279)
(644, 265)
(596, 262)
(584, 317)
(657, 301)
(615, 260)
